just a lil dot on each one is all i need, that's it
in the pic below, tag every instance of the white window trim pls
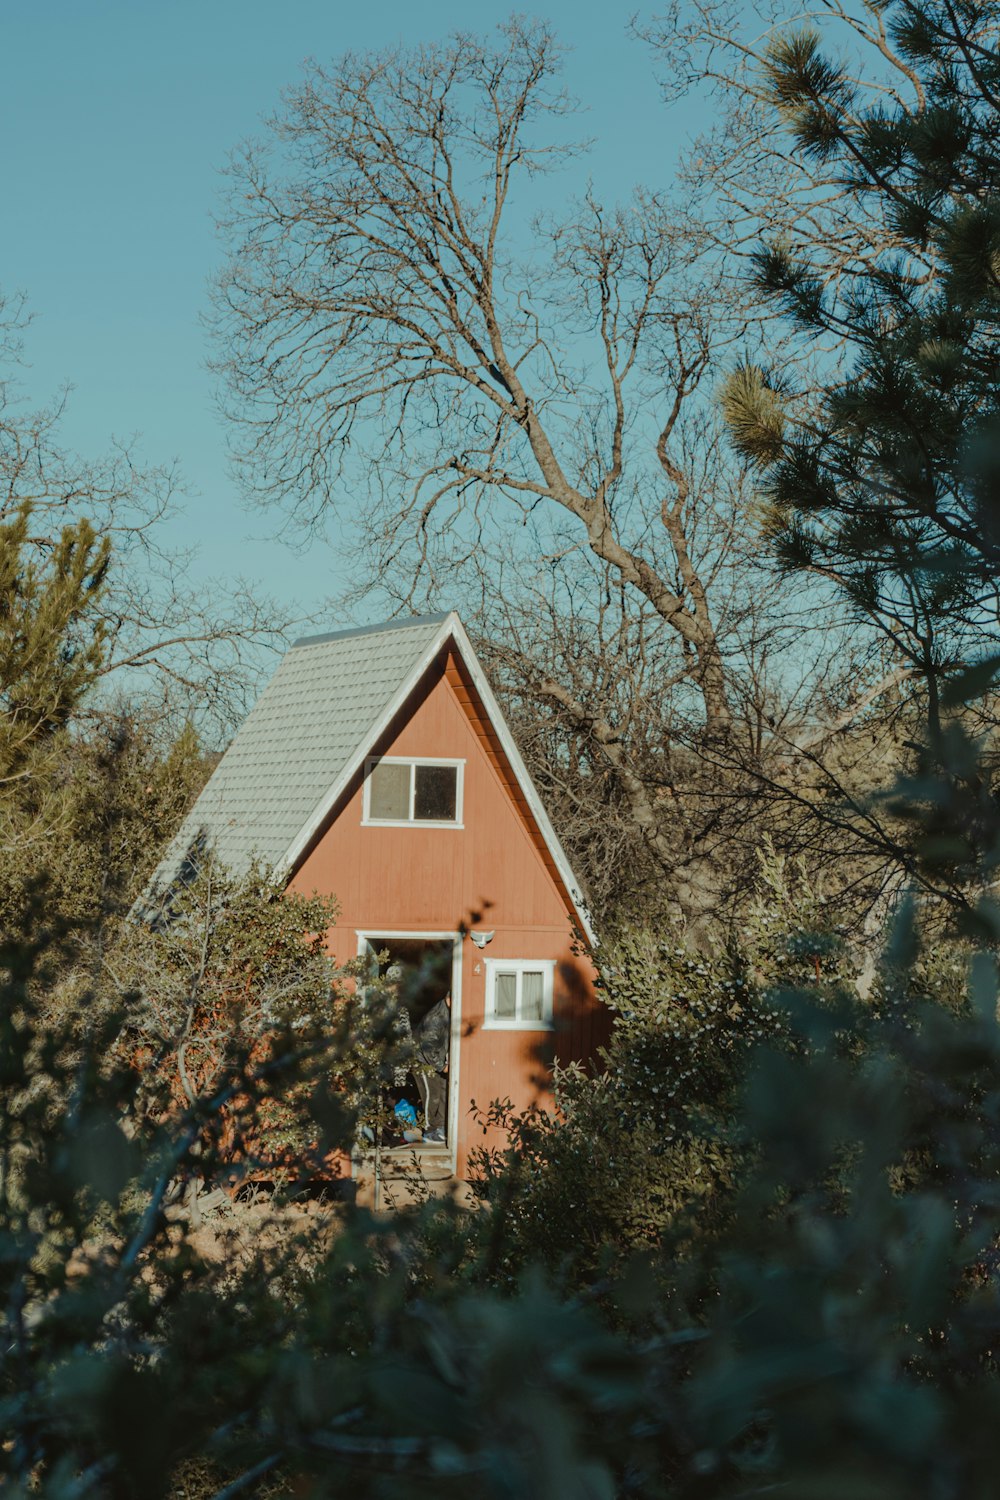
(367, 821)
(519, 966)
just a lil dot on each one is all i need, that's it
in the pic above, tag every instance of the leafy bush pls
(643, 1147)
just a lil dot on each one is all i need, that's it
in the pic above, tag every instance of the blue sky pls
(116, 117)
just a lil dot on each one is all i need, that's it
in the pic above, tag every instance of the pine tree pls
(886, 482)
(51, 640)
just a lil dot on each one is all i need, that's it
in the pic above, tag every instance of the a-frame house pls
(376, 767)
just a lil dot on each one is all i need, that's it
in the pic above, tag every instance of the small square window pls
(519, 993)
(399, 791)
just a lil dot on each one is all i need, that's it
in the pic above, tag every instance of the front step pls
(408, 1174)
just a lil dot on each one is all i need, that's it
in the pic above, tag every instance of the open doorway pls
(425, 968)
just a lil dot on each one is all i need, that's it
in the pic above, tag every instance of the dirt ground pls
(233, 1228)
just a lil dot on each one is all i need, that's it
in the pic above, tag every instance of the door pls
(427, 969)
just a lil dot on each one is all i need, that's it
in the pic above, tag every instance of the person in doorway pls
(431, 1039)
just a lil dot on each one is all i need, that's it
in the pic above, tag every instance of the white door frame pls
(367, 939)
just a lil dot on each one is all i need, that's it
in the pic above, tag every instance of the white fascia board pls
(522, 775)
(451, 628)
(329, 800)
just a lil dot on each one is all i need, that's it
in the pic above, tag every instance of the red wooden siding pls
(429, 879)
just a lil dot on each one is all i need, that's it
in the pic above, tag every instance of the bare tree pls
(649, 807)
(376, 292)
(198, 648)
(483, 405)
(803, 167)
(746, 176)
(527, 418)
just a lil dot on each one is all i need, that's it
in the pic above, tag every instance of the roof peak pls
(281, 779)
(359, 630)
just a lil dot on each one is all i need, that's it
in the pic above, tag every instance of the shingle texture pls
(316, 716)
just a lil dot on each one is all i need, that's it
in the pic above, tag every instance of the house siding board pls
(430, 879)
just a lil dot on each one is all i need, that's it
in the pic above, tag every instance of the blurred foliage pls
(342, 1351)
(758, 1255)
(823, 1319)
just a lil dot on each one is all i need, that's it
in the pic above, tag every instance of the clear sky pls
(116, 117)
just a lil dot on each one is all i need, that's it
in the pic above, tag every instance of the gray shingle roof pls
(319, 712)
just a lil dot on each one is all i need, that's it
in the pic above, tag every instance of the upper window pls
(413, 791)
(519, 992)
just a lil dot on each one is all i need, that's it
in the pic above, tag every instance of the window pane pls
(434, 799)
(532, 992)
(390, 791)
(505, 995)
